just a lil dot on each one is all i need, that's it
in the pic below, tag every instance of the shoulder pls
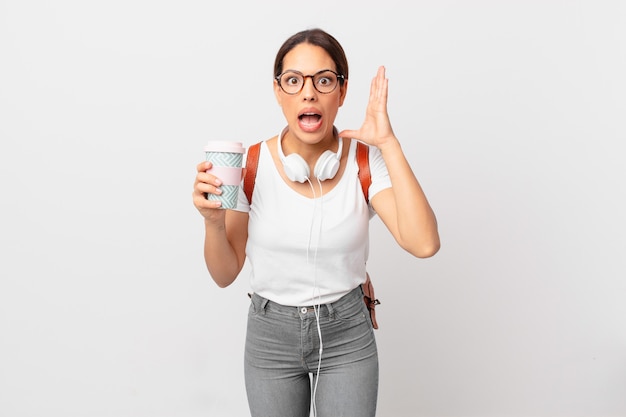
(260, 147)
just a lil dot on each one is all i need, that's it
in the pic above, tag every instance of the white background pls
(511, 114)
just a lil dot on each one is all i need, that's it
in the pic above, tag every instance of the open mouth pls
(309, 118)
(310, 121)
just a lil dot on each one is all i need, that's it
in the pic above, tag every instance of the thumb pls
(350, 134)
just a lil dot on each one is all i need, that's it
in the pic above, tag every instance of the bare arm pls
(404, 207)
(226, 231)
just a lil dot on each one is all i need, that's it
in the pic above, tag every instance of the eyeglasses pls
(324, 81)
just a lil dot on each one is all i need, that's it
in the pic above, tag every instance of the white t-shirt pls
(305, 251)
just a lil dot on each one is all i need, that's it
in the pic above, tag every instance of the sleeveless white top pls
(306, 251)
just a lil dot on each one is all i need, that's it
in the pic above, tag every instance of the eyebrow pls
(300, 72)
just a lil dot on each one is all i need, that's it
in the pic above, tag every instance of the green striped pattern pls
(228, 196)
(225, 159)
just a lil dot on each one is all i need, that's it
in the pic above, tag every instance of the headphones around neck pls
(297, 169)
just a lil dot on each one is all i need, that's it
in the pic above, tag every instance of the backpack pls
(362, 157)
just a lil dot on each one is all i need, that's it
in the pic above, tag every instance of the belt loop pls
(259, 303)
(331, 311)
(264, 304)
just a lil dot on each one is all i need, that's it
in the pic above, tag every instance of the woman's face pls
(309, 113)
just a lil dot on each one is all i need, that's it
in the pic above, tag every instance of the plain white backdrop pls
(510, 112)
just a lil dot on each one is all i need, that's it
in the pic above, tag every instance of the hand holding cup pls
(226, 160)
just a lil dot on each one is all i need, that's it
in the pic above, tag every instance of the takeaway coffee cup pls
(227, 158)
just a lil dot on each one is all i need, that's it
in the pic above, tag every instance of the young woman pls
(310, 341)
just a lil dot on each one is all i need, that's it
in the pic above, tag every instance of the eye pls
(292, 79)
(324, 80)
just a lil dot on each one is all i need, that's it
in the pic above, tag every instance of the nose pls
(308, 90)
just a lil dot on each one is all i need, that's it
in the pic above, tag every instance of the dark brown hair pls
(316, 37)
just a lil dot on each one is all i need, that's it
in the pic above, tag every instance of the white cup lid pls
(224, 146)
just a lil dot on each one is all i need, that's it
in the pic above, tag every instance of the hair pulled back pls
(317, 37)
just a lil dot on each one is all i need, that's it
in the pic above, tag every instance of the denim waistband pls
(262, 303)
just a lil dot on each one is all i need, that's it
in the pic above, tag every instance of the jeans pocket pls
(354, 312)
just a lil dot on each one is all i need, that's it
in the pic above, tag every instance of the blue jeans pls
(282, 354)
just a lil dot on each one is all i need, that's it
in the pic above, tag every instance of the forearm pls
(221, 258)
(416, 224)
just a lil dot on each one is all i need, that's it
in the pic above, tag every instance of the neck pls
(310, 152)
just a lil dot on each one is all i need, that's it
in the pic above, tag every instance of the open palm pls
(376, 128)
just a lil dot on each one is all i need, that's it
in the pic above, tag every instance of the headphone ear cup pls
(295, 167)
(326, 166)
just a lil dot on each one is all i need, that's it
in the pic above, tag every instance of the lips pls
(309, 120)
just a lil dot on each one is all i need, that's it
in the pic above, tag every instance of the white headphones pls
(297, 169)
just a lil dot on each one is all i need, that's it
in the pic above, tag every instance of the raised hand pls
(376, 129)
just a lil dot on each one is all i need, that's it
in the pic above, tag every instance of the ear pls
(343, 92)
(277, 93)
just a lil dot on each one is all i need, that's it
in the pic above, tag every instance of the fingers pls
(376, 122)
(205, 183)
(379, 87)
(204, 176)
(207, 186)
(203, 166)
(203, 204)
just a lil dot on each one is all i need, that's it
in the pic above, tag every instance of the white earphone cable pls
(316, 297)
